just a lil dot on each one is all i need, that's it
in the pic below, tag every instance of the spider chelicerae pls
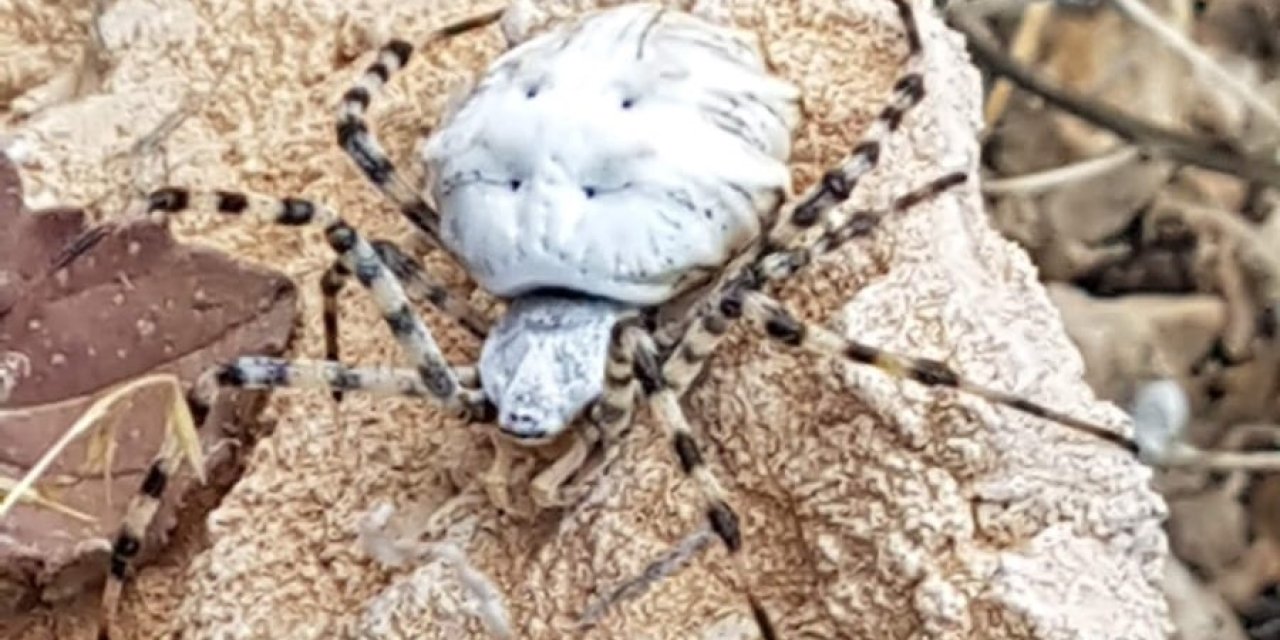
(620, 179)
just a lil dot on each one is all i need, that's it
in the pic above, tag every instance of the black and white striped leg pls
(837, 183)
(331, 283)
(613, 412)
(780, 325)
(793, 240)
(424, 289)
(610, 418)
(418, 285)
(133, 528)
(840, 227)
(357, 255)
(359, 143)
(258, 372)
(664, 400)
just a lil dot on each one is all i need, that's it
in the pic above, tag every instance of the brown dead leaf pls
(83, 310)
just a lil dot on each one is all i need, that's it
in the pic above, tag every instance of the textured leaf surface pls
(84, 309)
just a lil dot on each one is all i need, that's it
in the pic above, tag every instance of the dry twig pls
(1199, 60)
(1032, 183)
(1158, 140)
(1026, 43)
(181, 426)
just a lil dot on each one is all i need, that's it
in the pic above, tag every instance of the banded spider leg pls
(808, 226)
(431, 375)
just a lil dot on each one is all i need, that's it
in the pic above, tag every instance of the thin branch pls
(1141, 14)
(1033, 183)
(1002, 8)
(1159, 140)
(1191, 457)
(1025, 46)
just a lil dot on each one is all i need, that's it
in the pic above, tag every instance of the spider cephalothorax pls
(620, 179)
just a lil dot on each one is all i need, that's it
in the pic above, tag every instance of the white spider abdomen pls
(612, 155)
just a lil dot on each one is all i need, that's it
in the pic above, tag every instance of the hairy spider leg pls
(839, 227)
(794, 243)
(359, 257)
(138, 514)
(432, 376)
(665, 382)
(359, 142)
(250, 372)
(780, 325)
(668, 563)
(838, 182)
(613, 412)
(422, 288)
(677, 373)
(419, 286)
(259, 372)
(822, 200)
(664, 401)
(611, 415)
(705, 323)
(741, 296)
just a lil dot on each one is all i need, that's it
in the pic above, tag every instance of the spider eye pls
(627, 103)
(515, 185)
(531, 92)
(1200, 6)
(589, 191)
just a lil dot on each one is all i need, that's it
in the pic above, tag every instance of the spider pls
(619, 178)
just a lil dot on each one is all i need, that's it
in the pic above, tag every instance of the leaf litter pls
(102, 329)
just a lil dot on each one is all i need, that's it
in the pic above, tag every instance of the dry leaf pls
(85, 310)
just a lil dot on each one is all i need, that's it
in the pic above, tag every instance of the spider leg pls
(664, 400)
(258, 372)
(355, 138)
(610, 416)
(331, 283)
(634, 365)
(431, 377)
(418, 285)
(819, 204)
(612, 413)
(780, 325)
(840, 227)
(422, 288)
(250, 372)
(358, 256)
(133, 528)
(837, 183)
